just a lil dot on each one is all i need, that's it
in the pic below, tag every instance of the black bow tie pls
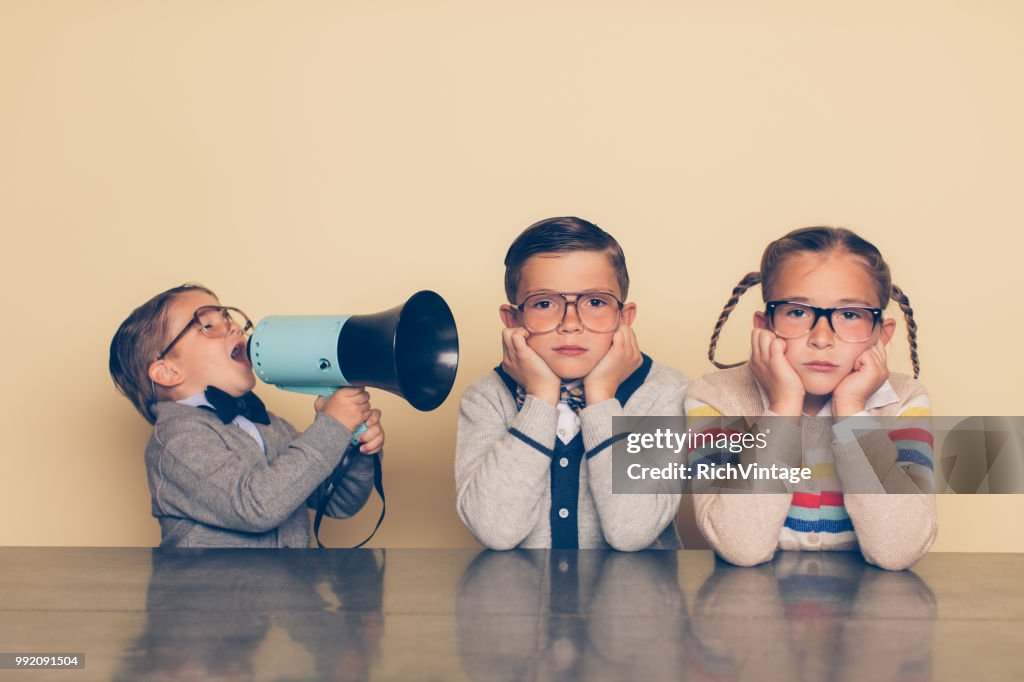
(228, 407)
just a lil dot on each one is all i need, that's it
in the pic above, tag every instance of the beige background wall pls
(320, 157)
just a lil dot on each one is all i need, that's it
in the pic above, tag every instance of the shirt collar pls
(199, 400)
(196, 400)
(885, 395)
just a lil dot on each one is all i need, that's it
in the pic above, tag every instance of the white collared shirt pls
(199, 400)
(568, 420)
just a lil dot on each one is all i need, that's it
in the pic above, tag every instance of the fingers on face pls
(515, 341)
(634, 344)
(881, 351)
(629, 337)
(764, 345)
(506, 337)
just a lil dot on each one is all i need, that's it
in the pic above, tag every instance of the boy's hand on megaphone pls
(350, 406)
(372, 440)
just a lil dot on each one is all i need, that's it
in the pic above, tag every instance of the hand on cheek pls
(870, 371)
(777, 377)
(622, 359)
(528, 368)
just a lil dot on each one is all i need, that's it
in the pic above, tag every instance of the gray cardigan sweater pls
(504, 459)
(212, 486)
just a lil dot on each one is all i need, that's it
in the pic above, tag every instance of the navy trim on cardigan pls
(605, 443)
(565, 493)
(547, 452)
(634, 381)
(510, 383)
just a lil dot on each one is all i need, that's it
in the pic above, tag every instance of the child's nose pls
(570, 319)
(821, 335)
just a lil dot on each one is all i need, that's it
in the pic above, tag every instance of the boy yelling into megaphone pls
(222, 471)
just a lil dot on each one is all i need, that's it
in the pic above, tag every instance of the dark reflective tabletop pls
(417, 614)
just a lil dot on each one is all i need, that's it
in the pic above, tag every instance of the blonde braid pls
(748, 281)
(908, 313)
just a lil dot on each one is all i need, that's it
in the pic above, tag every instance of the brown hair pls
(821, 240)
(562, 235)
(136, 344)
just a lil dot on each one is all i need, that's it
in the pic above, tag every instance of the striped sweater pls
(890, 517)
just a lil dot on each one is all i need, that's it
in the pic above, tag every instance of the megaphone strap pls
(378, 484)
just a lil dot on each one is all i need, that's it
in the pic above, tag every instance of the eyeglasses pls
(598, 311)
(852, 324)
(215, 321)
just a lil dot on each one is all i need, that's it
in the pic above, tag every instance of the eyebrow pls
(556, 291)
(842, 301)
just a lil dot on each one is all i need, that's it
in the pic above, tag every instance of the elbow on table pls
(628, 539)
(493, 537)
(500, 543)
(492, 533)
(901, 553)
(746, 554)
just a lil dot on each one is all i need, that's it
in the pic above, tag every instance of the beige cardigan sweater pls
(894, 524)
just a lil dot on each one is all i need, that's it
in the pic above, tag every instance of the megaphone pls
(411, 350)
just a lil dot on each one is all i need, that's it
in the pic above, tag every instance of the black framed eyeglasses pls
(852, 324)
(598, 311)
(215, 321)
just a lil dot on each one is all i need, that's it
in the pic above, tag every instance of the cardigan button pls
(564, 462)
(563, 512)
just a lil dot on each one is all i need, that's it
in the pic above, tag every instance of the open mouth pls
(238, 354)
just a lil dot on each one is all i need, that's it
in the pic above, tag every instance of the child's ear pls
(628, 314)
(509, 316)
(760, 320)
(163, 373)
(888, 329)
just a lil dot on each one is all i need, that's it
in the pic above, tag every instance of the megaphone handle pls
(326, 392)
(360, 430)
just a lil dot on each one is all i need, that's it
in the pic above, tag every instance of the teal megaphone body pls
(411, 350)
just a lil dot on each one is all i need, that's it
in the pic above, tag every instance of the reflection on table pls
(209, 611)
(602, 615)
(812, 617)
(430, 614)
